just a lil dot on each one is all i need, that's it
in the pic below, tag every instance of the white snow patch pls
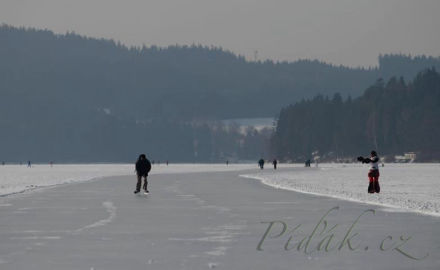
(408, 187)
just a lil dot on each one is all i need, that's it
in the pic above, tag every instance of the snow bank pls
(409, 187)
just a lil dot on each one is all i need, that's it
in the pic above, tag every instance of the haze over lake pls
(344, 32)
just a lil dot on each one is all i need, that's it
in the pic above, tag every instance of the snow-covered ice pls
(202, 221)
(404, 187)
(408, 187)
(19, 178)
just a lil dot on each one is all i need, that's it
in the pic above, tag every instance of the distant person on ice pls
(261, 163)
(373, 174)
(143, 167)
(274, 162)
(307, 163)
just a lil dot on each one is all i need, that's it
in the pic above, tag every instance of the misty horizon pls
(341, 32)
(213, 46)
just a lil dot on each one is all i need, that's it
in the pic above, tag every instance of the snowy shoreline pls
(405, 187)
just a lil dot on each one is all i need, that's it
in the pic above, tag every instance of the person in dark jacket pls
(373, 174)
(143, 167)
(307, 163)
(275, 162)
(261, 163)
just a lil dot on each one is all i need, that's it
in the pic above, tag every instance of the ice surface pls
(201, 221)
(409, 187)
(19, 178)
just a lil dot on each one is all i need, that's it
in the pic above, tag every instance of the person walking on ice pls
(143, 167)
(373, 174)
(261, 163)
(275, 162)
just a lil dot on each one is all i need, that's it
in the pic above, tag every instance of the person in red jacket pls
(373, 174)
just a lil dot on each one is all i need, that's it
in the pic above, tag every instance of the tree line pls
(392, 117)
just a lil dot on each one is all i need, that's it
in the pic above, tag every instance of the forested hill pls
(405, 66)
(178, 81)
(392, 117)
(77, 99)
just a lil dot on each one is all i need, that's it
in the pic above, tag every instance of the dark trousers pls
(373, 176)
(139, 182)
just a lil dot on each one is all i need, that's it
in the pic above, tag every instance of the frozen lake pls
(404, 187)
(212, 218)
(19, 178)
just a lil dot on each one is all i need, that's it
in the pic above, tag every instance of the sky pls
(341, 32)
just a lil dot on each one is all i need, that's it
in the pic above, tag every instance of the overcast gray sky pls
(348, 32)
